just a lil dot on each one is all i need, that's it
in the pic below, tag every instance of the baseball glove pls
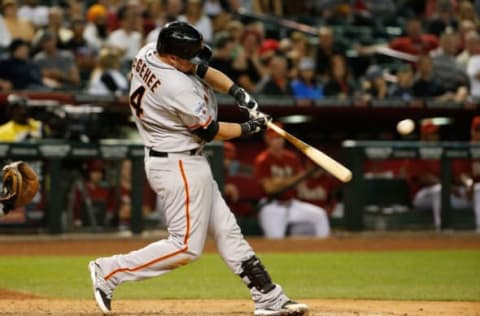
(20, 184)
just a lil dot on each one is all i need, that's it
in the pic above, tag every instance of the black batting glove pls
(243, 98)
(255, 125)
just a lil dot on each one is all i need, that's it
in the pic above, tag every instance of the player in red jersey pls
(277, 168)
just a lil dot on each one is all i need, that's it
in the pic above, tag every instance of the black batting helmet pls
(183, 40)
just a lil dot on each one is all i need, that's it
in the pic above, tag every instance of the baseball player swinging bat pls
(175, 111)
(332, 166)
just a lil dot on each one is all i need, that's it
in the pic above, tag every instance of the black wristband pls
(201, 70)
(246, 129)
(234, 90)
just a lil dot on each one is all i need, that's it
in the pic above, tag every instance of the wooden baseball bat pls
(332, 166)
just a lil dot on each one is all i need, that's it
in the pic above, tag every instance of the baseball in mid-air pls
(405, 127)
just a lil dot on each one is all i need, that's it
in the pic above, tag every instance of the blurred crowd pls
(305, 50)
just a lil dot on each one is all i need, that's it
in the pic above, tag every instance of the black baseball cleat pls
(101, 292)
(289, 308)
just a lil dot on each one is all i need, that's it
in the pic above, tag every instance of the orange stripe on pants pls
(187, 200)
(140, 267)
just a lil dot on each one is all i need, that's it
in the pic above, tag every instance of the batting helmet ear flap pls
(203, 56)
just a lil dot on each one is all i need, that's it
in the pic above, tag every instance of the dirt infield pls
(236, 307)
(15, 303)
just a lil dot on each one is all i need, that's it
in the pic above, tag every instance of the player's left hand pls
(20, 184)
(243, 98)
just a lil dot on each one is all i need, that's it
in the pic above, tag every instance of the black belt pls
(154, 153)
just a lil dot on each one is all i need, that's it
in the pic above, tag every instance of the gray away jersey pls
(168, 104)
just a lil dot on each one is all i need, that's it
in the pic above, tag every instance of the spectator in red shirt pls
(416, 42)
(277, 168)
